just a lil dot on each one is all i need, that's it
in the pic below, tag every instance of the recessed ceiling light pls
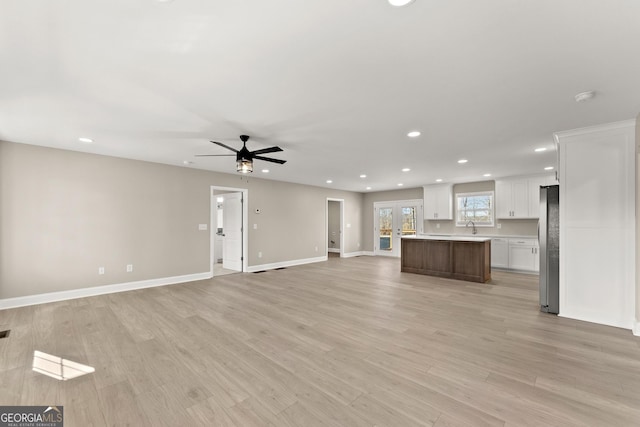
(363, 176)
(329, 181)
(585, 96)
(540, 150)
(87, 140)
(548, 168)
(368, 188)
(400, 185)
(406, 170)
(399, 3)
(265, 170)
(439, 180)
(487, 174)
(413, 134)
(187, 162)
(461, 161)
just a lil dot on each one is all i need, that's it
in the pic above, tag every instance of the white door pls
(392, 220)
(232, 240)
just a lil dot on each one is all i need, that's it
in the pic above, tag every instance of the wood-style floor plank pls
(347, 342)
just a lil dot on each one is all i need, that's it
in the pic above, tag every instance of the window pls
(476, 207)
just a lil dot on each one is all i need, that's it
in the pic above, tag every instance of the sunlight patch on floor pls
(57, 367)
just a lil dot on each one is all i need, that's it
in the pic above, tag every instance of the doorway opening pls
(393, 220)
(334, 232)
(229, 243)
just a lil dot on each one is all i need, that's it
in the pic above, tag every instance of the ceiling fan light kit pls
(244, 165)
(244, 157)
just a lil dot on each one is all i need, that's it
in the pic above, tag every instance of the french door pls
(392, 221)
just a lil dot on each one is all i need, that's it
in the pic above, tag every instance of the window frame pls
(492, 210)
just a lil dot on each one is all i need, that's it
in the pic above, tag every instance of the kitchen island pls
(456, 257)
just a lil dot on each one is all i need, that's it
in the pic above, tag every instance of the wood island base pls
(457, 259)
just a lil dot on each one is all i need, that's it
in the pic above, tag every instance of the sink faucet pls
(474, 231)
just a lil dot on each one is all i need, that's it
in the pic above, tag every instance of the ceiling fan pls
(244, 157)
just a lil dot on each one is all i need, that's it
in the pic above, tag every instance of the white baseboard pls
(599, 319)
(334, 250)
(368, 253)
(352, 254)
(261, 267)
(99, 290)
(636, 328)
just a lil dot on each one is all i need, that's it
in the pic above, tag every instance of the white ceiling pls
(336, 84)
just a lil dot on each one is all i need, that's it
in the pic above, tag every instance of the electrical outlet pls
(202, 227)
(129, 268)
(438, 225)
(259, 254)
(358, 244)
(316, 249)
(100, 270)
(499, 225)
(255, 226)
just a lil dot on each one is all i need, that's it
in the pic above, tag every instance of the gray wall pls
(637, 332)
(334, 225)
(63, 214)
(509, 227)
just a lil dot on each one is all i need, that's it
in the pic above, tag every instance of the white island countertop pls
(455, 238)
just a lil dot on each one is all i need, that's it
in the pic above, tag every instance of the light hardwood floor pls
(347, 342)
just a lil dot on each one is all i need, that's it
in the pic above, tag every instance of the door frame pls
(326, 225)
(419, 219)
(213, 221)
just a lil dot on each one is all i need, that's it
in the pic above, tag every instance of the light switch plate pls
(202, 226)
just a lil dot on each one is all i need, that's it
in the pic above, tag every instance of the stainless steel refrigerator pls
(549, 239)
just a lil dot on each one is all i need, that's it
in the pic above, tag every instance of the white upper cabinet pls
(438, 201)
(520, 197)
(512, 198)
(534, 194)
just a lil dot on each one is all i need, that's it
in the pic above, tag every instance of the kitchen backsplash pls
(508, 227)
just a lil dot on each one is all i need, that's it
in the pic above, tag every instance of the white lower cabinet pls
(524, 255)
(515, 254)
(500, 253)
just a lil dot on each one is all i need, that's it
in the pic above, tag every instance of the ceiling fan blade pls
(214, 155)
(225, 146)
(267, 159)
(267, 150)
